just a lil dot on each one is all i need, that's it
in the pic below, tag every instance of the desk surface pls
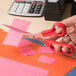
(63, 63)
(36, 22)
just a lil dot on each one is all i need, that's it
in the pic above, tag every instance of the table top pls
(36, 22)
(62, 64)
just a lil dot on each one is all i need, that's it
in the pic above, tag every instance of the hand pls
(70, 38)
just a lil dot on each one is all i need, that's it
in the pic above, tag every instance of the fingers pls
(55, 37)
(72, 33)
(64, 40)
(65, 49)
(69, 21)
(58, 30)
(73, 37)
(57, 47)
(71, 29)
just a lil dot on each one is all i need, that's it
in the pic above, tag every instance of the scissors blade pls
(30, 39)
(17, 29)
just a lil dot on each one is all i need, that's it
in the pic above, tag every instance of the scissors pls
(51, 32)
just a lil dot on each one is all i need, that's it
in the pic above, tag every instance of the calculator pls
(27, 7)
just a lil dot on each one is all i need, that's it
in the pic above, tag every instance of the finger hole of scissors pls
(52, 47)
(56, 27)
(66, 52)
(58, 30)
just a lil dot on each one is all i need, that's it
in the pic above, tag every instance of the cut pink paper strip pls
(13, 68)
(24, 43)
(45, 59)
(43, 49)
(13, 37)
(26, 51)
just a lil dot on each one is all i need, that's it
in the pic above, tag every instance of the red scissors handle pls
(50, 43)
(52, 31)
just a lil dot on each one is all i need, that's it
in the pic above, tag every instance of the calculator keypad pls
(25, 8)
(20, 7)
(36, 7)
(14, 7)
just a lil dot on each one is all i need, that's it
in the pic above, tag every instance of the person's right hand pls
(70, 38)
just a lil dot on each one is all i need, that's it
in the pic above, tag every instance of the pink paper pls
(13, 68)
(18, 0)
(45, 59)
(43, 49)
(13, 37)
(26, 51)
(24, 43)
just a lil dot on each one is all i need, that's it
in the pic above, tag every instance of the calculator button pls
(34, 4)
(23, 1)
(25, 11)
(39, 6)
(32, 8)
(14, 7)
(26, 8)
(20, 7)
(38, 9)
(31, 11)
(29, 2)
(37, 12)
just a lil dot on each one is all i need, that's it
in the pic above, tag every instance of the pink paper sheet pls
(23, 43)
(45, 59)
(18, 0)
(13, 37)
(13, 68)
(43, 49)
(26, 51)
